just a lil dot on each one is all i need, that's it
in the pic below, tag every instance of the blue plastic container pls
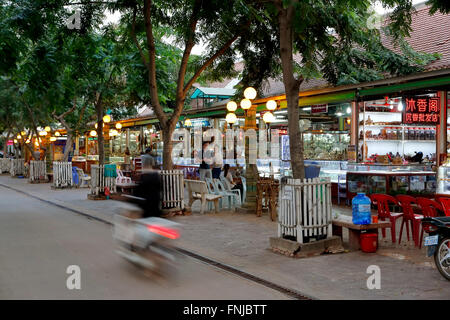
(361, 209)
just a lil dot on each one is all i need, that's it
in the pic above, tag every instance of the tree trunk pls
(5, 146)
(167, 148)
(100, 140)
(292, 88)
(69, 143)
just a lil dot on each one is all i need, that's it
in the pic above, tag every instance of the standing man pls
(148, 162)
(205, 169)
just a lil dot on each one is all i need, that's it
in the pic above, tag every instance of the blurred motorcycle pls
(438, 242)
(146, 242)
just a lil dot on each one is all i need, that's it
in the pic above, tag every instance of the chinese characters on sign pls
(421, 110)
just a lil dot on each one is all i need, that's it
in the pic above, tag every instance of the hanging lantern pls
(57, 134)
(232, 106)
(23, 133)
(52, 139)
(107, 118)
(93, 133)
(15, 141)
(271, 105)
(43, 133)
(250, 93)
(348, 121)
(28, 141)
(118, 126)
(36, 143)
(48, 129)
(19, 137)
(231, 118)
(268, 117)
(246, 104)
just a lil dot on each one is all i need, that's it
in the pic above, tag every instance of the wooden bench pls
(198, 191)
(354, 230)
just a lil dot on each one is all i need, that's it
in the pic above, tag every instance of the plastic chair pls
(409, 218)
(121, 179)
(212, 189)
(382, 201)
(232, 198)
(445, 202)
(429, 209)
(228, 188)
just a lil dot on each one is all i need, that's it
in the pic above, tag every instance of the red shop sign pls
(320, 108)
(423, 110)
(10, 143)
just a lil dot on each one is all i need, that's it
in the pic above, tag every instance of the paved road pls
(39, 241)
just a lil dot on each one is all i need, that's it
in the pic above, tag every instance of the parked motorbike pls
(438, 242)
(146, 242)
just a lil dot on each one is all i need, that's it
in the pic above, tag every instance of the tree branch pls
(136, 42)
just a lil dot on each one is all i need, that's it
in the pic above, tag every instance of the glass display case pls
(389, 179)
(443, 180)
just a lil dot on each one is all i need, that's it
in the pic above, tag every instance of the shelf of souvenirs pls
(397, 140)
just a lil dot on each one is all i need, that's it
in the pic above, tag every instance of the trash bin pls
(369, 242)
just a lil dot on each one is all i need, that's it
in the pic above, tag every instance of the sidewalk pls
(242, 241)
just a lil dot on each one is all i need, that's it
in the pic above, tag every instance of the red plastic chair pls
(445, 202)
(409, 218)
(382, 201)
(429, 209)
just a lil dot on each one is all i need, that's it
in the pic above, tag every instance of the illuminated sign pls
(423, 110)
(320, 108)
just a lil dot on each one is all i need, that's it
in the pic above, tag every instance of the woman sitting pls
(226, 173)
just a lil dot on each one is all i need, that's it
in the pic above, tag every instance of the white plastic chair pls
(232, 197)
(212, 190)
(83, 179)
(121, 179)
(228, 188)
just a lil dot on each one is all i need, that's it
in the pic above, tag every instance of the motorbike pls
(146, 242)
(438, 242)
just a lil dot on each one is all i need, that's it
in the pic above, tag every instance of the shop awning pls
(212, 93)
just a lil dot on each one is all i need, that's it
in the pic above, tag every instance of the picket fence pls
(172, 190)
(5, 165)
(305, 209)
(38, 171)
(62, 174)
(17, 167)
(99, 182)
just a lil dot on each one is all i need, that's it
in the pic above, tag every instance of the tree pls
(332, 40)
(218, 24)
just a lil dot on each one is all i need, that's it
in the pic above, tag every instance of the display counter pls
(411, 182)
(443, 181)
(79, 162)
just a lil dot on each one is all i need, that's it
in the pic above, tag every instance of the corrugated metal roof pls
(206, 92)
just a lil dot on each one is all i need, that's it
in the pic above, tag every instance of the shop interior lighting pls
(118, 126)
(349, 110)
(107, 118)
(400, 106)
(48, 129)
(57, 134)
(268, 117)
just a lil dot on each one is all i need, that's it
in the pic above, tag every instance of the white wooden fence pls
(5, 165)
(38, 171)
(62, 174)
(17, 167)
(305, 209)
(172, 189)
(99, 182)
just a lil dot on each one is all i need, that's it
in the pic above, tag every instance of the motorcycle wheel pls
(442, 257)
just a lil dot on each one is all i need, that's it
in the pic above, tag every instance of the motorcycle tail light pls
(164, 231)
(428, 227)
